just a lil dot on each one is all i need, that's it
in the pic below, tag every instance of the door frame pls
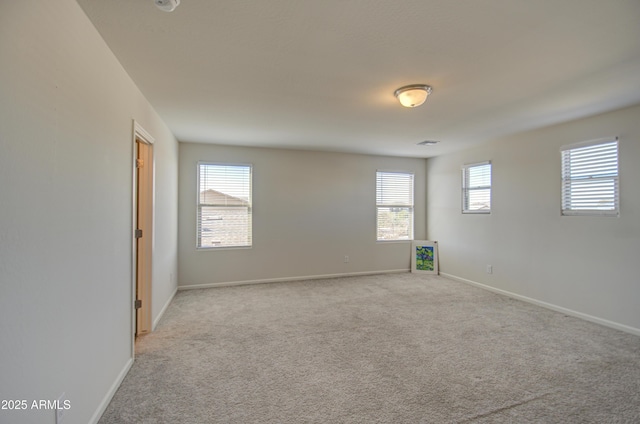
(141, 319)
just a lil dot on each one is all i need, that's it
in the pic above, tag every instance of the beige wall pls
(66, 111)
(66, 118)
(310, 209)
(585, 264)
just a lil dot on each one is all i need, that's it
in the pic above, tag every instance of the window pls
(590, 178)
(224, 205)
(476, 188)
(394, 206)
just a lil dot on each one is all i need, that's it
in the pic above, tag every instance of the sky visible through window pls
(224, 206)
(394, 205)
(477, 188)
(590, 179)
(233, 180)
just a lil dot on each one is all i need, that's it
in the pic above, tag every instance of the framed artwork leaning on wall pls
(424, 256)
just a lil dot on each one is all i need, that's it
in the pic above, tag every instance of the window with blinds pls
(590, 183)
(476, 188)
(224, 205)
(394, 206)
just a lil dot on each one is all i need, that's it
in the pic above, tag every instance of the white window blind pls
(224, 205)
(476, 188)
(394, 206)
(590, 183)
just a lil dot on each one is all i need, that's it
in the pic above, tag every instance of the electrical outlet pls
(346, 259)
(489, 269)
(60, 409)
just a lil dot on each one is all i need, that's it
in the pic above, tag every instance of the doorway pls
(143, 230)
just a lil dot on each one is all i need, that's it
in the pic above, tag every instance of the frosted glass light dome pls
(412, 95)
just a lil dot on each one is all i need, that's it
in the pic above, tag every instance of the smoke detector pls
(167, 5)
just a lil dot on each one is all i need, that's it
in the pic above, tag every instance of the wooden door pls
(143, 234)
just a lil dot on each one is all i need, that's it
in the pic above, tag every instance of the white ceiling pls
(320, 75)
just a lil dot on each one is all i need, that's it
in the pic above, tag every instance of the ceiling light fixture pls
(167, 5)
(412, 95)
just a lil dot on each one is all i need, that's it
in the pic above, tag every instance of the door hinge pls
(138, 233)
(137, 304)
(139, 163)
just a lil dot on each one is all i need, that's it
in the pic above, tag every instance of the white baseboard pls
(586, 317)
(112, 391)
(164, 309)
(116, 384)
(284, 279)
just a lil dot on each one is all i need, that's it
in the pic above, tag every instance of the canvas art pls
(424, 256)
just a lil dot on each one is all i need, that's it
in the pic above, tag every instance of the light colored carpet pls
(398, 348)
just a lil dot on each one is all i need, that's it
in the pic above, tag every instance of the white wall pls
(66, 113)
(585, 264)
(310, 209)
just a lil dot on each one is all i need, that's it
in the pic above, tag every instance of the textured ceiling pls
(320, 75)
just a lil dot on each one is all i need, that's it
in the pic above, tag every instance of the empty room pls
(348, 211)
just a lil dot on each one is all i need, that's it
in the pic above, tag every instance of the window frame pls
(410, 206)
(466, 188)
(199, 207)
(567, 182)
